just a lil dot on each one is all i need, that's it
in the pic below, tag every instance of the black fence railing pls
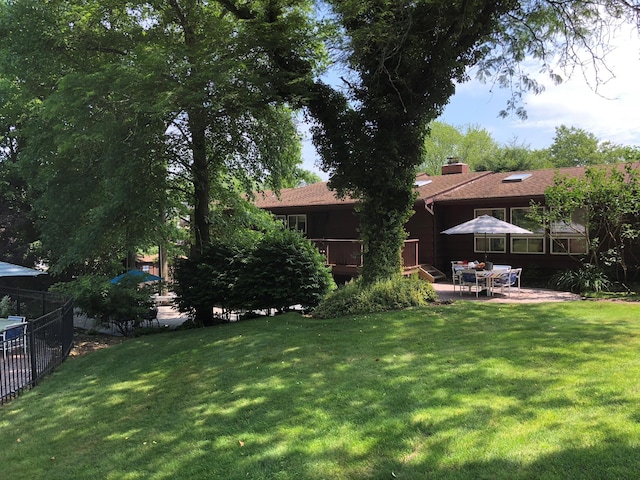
(45, 344)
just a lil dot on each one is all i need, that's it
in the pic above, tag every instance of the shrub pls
(210, 279)
(6, 306)
(281, 270)
(589, 278)
(123, 306)
(358, 298)
(284, 270)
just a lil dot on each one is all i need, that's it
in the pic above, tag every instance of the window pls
(569, 245)
(490, 243)
(570, 238)
(499, 213)
(294, 222)
(298, 222)
(527, 243)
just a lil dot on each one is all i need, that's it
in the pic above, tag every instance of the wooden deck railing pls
(345, 255)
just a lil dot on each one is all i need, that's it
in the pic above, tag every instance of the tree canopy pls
(404, 58)
(125, 112)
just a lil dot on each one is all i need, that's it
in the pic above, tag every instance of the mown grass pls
(462, 391)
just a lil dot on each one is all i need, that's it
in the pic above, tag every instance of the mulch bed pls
(84, 343)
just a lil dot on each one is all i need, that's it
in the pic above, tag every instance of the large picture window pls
(570, 238)
(533, 244)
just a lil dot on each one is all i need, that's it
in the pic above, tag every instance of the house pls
(442, 201)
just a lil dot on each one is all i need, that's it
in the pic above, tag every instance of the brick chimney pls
(453, 166)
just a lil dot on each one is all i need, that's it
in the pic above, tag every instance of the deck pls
(344, 256)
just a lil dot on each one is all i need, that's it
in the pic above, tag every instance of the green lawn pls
(462, 391)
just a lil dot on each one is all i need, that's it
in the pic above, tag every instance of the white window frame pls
(490, 240)
(294, 221)
(537, 237)
(500, 214)
(570, 239)
(580, 235)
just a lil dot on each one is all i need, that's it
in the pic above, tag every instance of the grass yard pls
(462, 391)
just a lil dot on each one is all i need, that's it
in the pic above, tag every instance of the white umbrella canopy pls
(11, 270)
(487, 225)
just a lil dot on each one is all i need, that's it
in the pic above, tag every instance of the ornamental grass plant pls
(459, 391)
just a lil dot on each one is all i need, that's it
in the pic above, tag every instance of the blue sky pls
(611, 113)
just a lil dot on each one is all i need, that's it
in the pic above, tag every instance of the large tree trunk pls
(387, 198)
(382, 231)
(201, 209)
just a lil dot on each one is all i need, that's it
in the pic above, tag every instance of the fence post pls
(32, 353)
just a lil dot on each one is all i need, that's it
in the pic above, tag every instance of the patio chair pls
(14, 337)
(473, 281)
(508, 279)
(17, 318)
(456, 275)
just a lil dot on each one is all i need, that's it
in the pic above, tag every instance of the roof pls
(319, 194)
(459, 187)
(534, 184)
(493, 186)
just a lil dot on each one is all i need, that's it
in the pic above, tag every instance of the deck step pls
(430, 273)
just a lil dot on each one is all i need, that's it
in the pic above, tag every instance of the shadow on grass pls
(446, 392)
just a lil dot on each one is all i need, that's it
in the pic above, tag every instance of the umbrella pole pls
(485, 247)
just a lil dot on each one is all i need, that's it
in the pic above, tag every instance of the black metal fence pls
(45, 345)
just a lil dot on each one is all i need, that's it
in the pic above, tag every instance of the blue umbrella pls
(136, 275)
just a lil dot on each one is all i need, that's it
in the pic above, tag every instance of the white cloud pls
(612, 112)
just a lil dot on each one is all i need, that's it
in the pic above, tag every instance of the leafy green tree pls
(404, 59)
(514, 157)
(442, 142)
(607, 202)
(576, 147)
(18, 235)
(573, 147)
(472, 145)
(134, 110)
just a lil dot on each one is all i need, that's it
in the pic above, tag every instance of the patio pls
(525, 295)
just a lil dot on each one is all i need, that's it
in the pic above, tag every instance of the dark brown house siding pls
(461, 247)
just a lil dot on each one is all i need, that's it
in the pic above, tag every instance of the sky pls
(611, 113)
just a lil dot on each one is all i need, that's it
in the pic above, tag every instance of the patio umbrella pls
(489, 226)
(136, 275)
(11, 270)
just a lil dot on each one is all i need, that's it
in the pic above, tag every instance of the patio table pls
(5, 323)
(485, 277)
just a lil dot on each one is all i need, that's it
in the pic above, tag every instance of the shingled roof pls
(318, 194)
(458, 187)
(529, 184)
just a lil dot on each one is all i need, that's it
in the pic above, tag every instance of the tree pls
(18, 235)
(473, 146)
(443, 142)
(513, 157)
(130, 106)
(603, 208)
(404, 57)
(573, 147)
(576, 147)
